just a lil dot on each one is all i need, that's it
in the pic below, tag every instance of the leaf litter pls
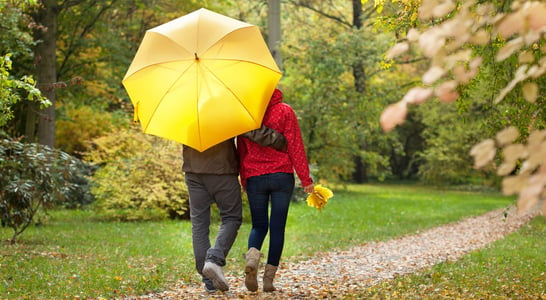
(340, 274)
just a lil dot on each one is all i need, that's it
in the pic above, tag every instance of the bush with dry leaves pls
(454, 62)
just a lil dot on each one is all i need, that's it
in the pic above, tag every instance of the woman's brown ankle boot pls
(269, 275)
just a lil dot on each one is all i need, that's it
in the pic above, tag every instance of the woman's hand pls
(309, 189)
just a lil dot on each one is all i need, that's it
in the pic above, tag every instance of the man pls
(212, 177)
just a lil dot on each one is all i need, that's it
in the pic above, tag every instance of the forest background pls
(62, 63)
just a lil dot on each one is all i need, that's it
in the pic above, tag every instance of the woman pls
(268, 177)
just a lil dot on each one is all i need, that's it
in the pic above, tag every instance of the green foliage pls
(474, 118)
(17, 86)
(15, 34)
(99, 40)
(477, 101)
(396, 152)
(338, 123)
(79, 126)
(12, 90)
(33, 177)
(139, 178)
(445, 157)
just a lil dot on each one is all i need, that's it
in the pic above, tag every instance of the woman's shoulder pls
(282, 108)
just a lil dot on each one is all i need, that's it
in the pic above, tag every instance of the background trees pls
(16, 83)
(333, 78)
(455, 46)
(336, 76)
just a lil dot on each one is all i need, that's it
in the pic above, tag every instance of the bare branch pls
(307, 5)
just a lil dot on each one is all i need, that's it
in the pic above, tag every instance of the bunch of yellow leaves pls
(319, 197)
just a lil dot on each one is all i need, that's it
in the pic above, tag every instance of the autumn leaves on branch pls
(454, 63)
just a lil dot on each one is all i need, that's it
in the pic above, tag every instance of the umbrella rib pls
(162, 96)
(245, 61)
(235, 95)
(197, 106)
(228, 88)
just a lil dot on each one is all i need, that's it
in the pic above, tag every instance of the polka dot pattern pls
(259, 160)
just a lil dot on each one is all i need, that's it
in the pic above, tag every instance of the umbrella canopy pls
(201, 79)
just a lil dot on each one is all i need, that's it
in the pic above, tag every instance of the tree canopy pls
(339, 76)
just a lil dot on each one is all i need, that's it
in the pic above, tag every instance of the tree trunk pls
(30, 121)
(45, 34)
(274, 30)
(359, 74)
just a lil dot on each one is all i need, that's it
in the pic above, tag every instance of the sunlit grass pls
(75, 254)
(510, 268)
(378, 212)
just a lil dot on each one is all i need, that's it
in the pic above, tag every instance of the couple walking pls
(265, 159)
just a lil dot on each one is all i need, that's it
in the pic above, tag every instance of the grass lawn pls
(511, 268)
(74, 254)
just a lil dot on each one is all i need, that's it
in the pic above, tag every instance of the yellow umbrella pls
(201, 79)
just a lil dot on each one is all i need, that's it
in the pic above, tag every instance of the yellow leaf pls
(413, 35)
(507, 135)
(426, 9)
(476, 63)
(319, 197)
(511, 24)
(397, 50)
(417, 95)
(536, 138)
(433, 74)
(431, 41)
(483, 153)
(481, 37)
(537, 13)
(394, 114)
(535, 71)
(513, 184)
(528, 196)
(526, 57)
(518, 77)
(446, 92)
(509, 48)
(506, 168)
(537, 156)
(514, 152)
(443, 9)
(461, 75)
(530, 92)
(459, 56)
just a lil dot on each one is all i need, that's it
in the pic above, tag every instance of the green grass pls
(511, 268)
(74, 254)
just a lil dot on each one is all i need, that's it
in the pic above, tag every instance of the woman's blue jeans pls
(261, 190)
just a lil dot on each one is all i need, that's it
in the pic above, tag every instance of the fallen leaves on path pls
(339, 274)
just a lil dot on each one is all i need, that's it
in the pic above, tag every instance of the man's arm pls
(265, 136)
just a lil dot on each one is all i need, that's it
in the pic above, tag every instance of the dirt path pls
(338, 273)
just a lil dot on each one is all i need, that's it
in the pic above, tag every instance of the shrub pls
(139, 177)
(33, 177)
(78, 126)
